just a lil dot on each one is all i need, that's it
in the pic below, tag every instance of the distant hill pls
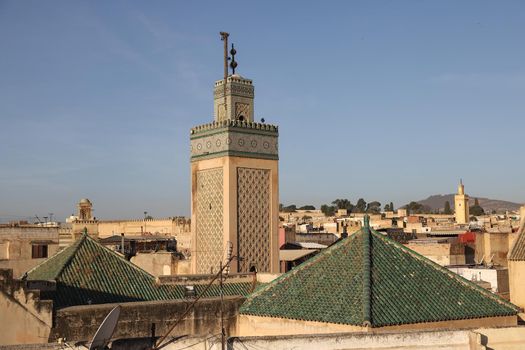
(437, 201)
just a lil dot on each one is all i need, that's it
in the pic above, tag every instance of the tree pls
(343, 204)
(289, 209)
(328, 210)
(447, 210)
(417, 208)
(306, 218)
(373, 207)
(391, 206)
(307, 207)
(476, 209)
(387, 207)
(360, 207)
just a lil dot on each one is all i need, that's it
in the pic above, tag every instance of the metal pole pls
(145, 213)
(223, 334)
(188, 309)
(224, 37)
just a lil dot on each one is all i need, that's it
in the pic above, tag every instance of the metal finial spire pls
(233, 63)
(224, 37)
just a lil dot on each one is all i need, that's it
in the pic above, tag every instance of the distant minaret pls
(461, 205)
(235, 181)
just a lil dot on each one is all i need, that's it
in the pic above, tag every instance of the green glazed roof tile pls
(517, 252)
(368, 279)
(89, 273)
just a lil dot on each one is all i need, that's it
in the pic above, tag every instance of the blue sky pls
(386, 100)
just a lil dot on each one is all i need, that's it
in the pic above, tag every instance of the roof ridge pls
(302, 266)
(367, 319)
(449, 273)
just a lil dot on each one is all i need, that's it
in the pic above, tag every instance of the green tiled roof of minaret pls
(369, 280)
(89, 273)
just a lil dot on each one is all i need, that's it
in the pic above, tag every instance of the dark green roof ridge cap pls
(302, 266)
(451, 274)
(71, 250)
(367, 279)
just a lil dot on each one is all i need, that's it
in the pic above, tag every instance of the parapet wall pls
(79, 323)
(24, 317)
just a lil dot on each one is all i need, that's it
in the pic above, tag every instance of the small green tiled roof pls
(89, 273)
(368, 279)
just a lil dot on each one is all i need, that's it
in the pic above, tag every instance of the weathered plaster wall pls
(249, 325)
(156, 263)
(441, 253)
(81, 322)
(517, 282)
(24, 318)
(508, 338)
(16, 247)
(493, 247)
(452, 340)
(511, 338)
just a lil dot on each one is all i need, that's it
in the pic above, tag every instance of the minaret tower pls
(461, 205)
(235, 183)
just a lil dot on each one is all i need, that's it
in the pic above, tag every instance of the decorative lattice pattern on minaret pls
(253, 206)
(209, 220)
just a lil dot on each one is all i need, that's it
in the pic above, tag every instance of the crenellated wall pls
(178, 227)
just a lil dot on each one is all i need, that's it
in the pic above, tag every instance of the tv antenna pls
(105, 330)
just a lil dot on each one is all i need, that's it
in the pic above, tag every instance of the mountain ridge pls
(437, 201)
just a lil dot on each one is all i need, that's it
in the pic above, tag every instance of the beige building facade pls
(441, 251)
(22, 247)
(178, 227)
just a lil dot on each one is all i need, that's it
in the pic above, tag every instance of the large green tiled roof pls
(89, 273)
(368, 279)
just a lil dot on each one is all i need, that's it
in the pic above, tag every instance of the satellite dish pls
(106, 329)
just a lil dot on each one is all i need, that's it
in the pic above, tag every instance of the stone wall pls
(79, 323)
(24, 318)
